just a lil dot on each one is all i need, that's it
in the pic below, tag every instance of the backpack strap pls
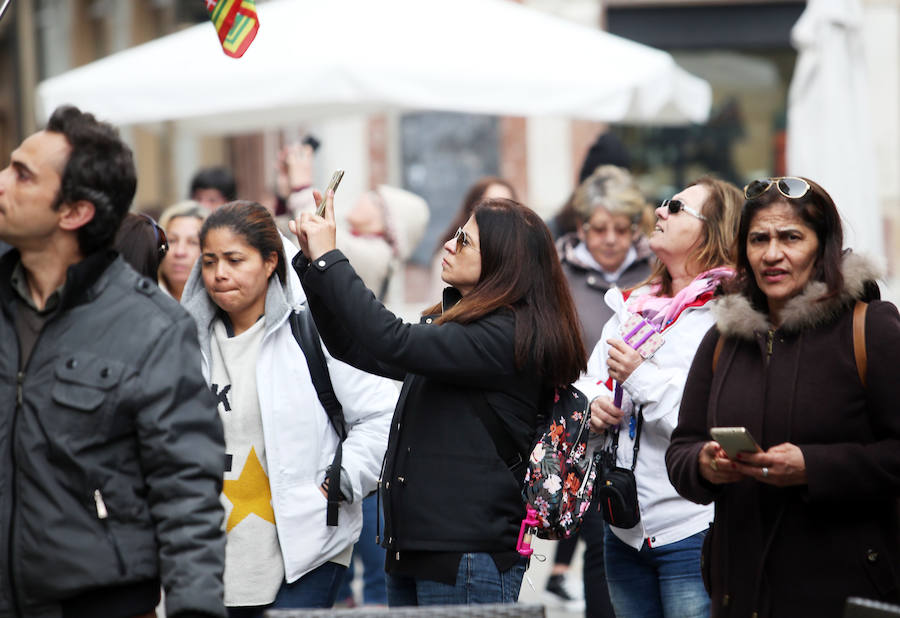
(503, 442)
(304, 329)
(720, 343)
(859, 339)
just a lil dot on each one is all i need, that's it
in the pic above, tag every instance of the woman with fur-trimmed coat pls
(813, 518)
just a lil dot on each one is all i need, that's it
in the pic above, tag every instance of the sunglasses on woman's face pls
(789, 186)
(676, 206)
(462, 240)
(162, 242)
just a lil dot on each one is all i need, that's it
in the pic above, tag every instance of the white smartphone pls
(734, 440)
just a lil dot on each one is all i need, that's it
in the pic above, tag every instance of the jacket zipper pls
(20, 379)
(103, 516)
(770, 341)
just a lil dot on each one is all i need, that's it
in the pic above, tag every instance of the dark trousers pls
(596, 592)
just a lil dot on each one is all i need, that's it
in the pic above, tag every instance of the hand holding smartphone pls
(332, 186)
(735, 440)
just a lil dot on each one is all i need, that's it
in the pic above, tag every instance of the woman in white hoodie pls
(278, 437)
(653, 567)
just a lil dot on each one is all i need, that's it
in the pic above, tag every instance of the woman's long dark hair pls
(255, 224)
(818, 211)
(474, 196)
(137, 242)
(520, 270)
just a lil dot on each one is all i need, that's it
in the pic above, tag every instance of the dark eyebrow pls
(21, 167)
(225, 253)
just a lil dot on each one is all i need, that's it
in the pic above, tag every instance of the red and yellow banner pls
(236, 23)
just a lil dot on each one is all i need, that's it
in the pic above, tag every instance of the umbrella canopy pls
(313, 58)
(829, 137)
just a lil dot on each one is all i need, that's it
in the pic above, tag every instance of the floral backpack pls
(559, 479)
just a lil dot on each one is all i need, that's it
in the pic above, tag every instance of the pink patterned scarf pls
(662, 311)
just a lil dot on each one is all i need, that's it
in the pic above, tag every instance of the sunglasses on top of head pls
(676, 206)
(789, 186)
(462, 240)
(162, 242)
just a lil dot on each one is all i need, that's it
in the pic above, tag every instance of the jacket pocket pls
(103, 517)
(83, 380)
(880, 571)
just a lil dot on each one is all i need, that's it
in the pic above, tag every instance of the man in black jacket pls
(111, 447)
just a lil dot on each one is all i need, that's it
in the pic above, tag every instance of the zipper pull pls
(102, 513)
(584, 479)
(770, 339)
(20, 378)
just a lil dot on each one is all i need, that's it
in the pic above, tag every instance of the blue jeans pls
(318, 588)
(477, 581)
(656, 582)
(372, 556)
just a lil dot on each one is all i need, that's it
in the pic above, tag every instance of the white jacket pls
(299, 439)
(657, 384)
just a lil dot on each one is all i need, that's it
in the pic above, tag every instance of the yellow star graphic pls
(249, 494)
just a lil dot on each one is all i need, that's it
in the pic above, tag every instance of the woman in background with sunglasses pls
(811, 519)
(505, 333)
(653, 566)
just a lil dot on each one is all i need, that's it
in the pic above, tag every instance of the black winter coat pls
(444, 486)
(112, 450)
(802, 550)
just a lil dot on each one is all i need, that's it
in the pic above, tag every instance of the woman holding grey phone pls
(653, 561)
(804, 357)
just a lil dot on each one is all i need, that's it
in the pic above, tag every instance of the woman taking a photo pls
(812, 519)
(505, 334)
(278, 437)
(653, 567)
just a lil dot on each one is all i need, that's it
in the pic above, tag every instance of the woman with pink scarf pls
(653, 567)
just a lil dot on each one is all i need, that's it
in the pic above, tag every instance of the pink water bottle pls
(526, 532)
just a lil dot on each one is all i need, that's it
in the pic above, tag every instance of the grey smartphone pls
(332, 186)
(734, 440)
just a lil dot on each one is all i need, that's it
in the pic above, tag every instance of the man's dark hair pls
(100, 170)
(219, 178)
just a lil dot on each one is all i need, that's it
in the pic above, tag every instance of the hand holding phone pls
(734, 440)
(332, 186)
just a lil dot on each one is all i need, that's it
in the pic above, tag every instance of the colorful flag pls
(236, 22)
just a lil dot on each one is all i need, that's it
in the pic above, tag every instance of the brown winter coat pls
(799, 551)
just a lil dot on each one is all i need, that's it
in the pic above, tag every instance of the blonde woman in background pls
(609, 247)
(181, 223)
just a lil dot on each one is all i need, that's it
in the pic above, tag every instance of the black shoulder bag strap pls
(304, 330)
(506, 448)
(637, 441)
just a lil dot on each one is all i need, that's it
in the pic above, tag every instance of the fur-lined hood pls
(736, 317)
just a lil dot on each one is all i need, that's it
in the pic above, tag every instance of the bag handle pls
(637, 440)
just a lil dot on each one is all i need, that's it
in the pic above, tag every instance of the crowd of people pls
(228, 404)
